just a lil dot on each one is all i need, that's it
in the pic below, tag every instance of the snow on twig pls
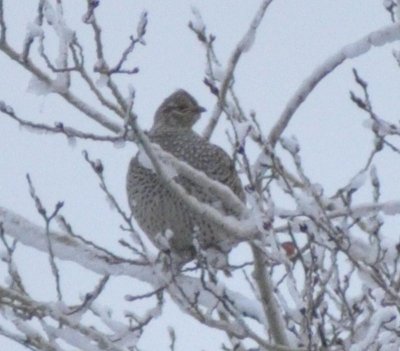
(243, 46)
(41, 310)
(68, 248)
(379, 37)
(223, 192)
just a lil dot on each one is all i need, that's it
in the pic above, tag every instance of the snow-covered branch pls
(71, 98)
(102, 262)
(243, 46)
(224, 193)
(377, 38)
(322, 269)
(238, 229)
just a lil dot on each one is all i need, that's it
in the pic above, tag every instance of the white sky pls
(294, 37)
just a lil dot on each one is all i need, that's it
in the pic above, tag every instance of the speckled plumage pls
(155, 207)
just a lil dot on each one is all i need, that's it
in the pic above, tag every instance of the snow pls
(119, 144)
(6, 108)
(32, 130)
(72, 141)
(144, 160)
(292, 289)
(162, 239)
(218, 260)
(38, 87)
(55, 18)
(356, 49)
(197, 23)
(387, 3)
(102, 80)
(98, 165)
(168, 167)
(391, 208)
(33, 31)
(25, 328)
(219, 73)
(242, 129)
(306, 204)
(367, 252)
(291, 144)
(72, 337)
(4, 255)
(357, 181)
(247, 41)
(382, 315)
(387, 35)
(373, 173)
(265, 160)
(349, 51)
(141, 27)
(377, 38)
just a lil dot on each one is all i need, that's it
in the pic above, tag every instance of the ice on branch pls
(356, 49)
(141, 27)
(6, 108)
(102, 80)
(33, 31)
(197, 24)
(56, 19)
(364, 251)
(357, 182)
(242, 130)
(307, 205)
(38, 87)
(72, 141)
(377, 38)
(391, 208)
(219, 73)
(119, 144)
(247, 41)
(131, 95)
(388, 3)
(291, 144)
(383, 317)
(381, 127)
(382, 36)
(144, 160)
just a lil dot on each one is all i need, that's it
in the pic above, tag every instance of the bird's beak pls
(200, 109)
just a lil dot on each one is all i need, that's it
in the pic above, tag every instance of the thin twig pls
(243, 46)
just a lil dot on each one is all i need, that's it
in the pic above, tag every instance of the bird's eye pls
(182, 107)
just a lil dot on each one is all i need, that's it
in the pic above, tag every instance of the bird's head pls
(178, 111)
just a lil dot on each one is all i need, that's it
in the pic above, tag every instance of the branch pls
(40, 310)
(243, 46)
(239, 229)
(3, 27)
(379, 37)
(66, 94)
(59, 128)
(69, 248)
(270, 305)
(223, 192)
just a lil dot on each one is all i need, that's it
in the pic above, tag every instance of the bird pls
(161, 214)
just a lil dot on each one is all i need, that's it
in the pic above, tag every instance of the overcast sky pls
(293, 39)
